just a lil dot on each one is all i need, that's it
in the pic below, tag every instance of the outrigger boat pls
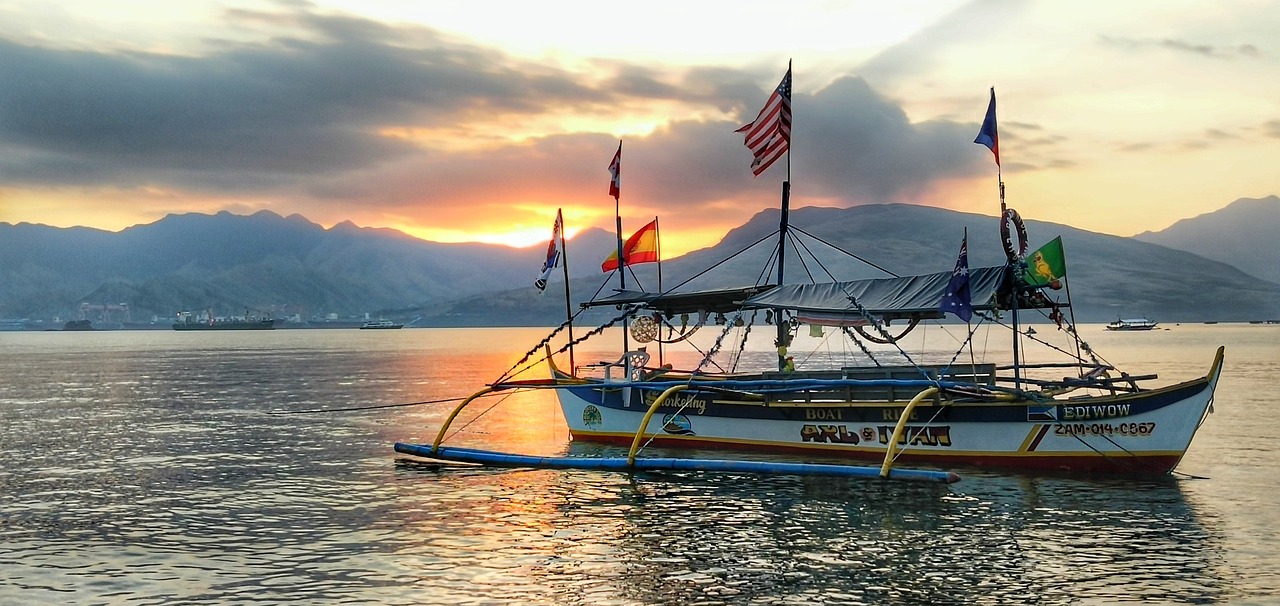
(883, 407)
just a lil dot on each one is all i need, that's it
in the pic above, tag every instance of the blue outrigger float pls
(874, 406)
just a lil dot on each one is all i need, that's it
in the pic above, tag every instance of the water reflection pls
(719, 538)
(141, 468)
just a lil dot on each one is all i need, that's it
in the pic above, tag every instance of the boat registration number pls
(1104, 429)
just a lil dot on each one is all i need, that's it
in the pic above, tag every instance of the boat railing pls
(877, 390)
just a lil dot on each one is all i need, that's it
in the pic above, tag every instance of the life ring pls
(644, 329)
(1011, 216)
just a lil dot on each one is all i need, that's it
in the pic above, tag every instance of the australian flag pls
(957, 299)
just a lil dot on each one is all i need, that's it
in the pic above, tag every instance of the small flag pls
(641, 247)
(1047, 265)
(988, 134)
(1042, 414)
(957, 298)
(553, 254)
(769, 135)
(615, 173)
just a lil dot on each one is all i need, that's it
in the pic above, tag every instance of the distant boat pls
(1132, 324)
(380, 325)
(78, 325)
(186, 321)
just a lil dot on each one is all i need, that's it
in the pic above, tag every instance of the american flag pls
(769, 135)
(615, 173)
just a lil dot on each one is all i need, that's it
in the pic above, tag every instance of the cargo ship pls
(188, 321)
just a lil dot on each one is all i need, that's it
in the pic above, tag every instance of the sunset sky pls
(475, 121)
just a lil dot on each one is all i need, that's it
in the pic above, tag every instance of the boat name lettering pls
(823, 414)
(832, 434)
(918, 435)
(1098, 411)
(688, 402)
(893, 414)
(1140, 430)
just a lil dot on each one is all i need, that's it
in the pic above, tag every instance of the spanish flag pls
(641, 247)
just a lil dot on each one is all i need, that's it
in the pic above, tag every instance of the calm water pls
(157, 468)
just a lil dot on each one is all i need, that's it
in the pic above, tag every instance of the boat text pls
(1104, 429)
(918, 436)
(1084, 413)
(686, 402)
(911, 435)
(893, 414)
(823, 414)
(830, 434)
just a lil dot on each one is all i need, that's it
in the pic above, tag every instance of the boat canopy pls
(672, 303)
(837, 302)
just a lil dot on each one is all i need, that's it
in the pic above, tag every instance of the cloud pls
(916, 56)
(1247, 51)
(303, 116)
(1271, 129)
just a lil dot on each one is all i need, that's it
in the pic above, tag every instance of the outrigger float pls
(872, 405)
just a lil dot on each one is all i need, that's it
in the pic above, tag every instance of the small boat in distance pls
(380, 325)
(1132, 324)
(188, 321)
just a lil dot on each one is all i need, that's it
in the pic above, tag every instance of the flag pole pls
(657, 242)
(989, 135)
(1071, 308)
(568, 307)
(968, 324)
(783, 330)
(622, 266)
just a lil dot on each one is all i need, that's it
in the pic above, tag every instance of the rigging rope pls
(728, 326)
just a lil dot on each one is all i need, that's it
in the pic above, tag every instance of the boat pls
(380, 325)
(1051, 409)
(188, 321)
(1132, 324)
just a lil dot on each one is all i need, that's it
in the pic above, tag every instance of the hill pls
(1109, 276)
(1242, 234)
(290, 267)
(230, 263)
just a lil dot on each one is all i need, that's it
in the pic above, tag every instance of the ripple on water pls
(164, 478)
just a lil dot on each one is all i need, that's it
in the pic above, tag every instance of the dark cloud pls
(288, 107)
(297, 116)
(1248, 51)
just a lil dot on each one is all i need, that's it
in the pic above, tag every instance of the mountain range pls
(1244, 234)
(1217, 267)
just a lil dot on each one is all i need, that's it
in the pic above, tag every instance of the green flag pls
(1046, 265)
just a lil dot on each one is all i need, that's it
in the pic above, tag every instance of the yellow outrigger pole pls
(901, 426)
(632, 464)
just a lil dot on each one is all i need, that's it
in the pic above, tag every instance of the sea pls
(256, 467)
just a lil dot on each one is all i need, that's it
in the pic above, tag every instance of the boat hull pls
(227, 325)
(1143, 433)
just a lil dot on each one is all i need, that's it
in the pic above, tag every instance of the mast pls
(989, 135)
(769, 137)
(657, 240)
(616, 189)
(784, 332)
(568, 307)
